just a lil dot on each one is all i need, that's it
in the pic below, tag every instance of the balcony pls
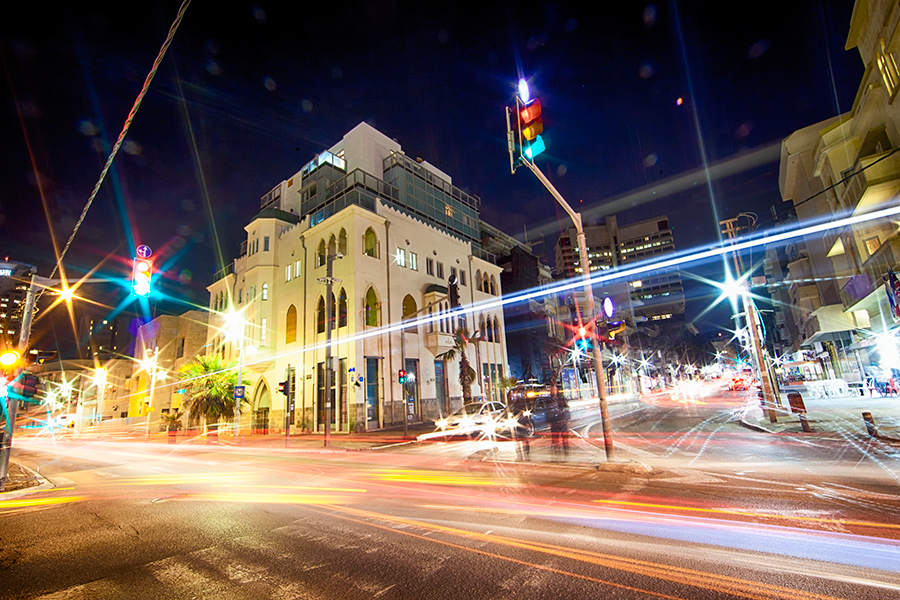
(876, 182)
(437, 342)
(874, 269)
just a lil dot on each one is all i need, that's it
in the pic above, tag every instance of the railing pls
(224, 272)
(873, 272)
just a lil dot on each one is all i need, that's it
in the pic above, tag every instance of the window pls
(889, 72)
(265, 293)
(371, 308)
(462, 278)
(342, 241)
(429, 266)
(493, 286)
(370, 243)
(297, 269)
(478, 280)
(872, 245)
(266, 244)
(440, 270)
(413, 261)
(342, 309)
(287, 273)
(320, 255)
(401, 257)
(290, 326)
(241, 296)
(333, 312)
(320, 315)
(262, 333)
(497, 333)
(409, 312)
(179, 348)
(332, 247)
(453, 272)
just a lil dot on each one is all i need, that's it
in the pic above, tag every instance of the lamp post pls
(329, 281)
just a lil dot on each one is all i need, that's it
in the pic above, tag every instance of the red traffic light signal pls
(141, 274)
(401, 376)
(530, 117)
(284, 388)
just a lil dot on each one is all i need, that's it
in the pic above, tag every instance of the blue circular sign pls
(144, 251)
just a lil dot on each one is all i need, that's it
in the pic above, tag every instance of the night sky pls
(247, 94)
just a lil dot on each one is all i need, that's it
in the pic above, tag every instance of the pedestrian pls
(519, 429)
(559, 423)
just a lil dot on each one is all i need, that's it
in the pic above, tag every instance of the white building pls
(402, 229)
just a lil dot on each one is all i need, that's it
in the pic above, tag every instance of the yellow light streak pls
(4, 504)
(726, 511)
(410, 476)
(304, 487)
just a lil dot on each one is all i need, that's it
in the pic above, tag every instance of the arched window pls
(332, 247)
(481, 328)
(409, 312)
(370, 243)
(265, 295)
(342, 241)
(290, 326)
(440, 311)
(430, 320)
(497, 333)
(371, 308)
(320, 255)
(493, 286)
(320, 315)
(478, 279)
(342, 308)
(490, 330)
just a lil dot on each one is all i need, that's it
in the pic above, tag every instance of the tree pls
(210, 385)
(461, 339)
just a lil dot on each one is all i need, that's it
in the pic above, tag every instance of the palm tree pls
(210, 384)
(461, 339)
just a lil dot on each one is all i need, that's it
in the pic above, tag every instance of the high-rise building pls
(15, 278)
(395, 230)
(656, 297)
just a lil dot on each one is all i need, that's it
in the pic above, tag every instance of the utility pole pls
(751, 316)
(329, 281)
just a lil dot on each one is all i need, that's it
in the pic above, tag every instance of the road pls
(145, 520)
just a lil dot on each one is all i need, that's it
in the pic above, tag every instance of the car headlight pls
(441, 424)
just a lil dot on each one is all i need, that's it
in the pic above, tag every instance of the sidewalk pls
(829, 416)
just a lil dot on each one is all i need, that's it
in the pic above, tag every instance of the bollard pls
(870, 424)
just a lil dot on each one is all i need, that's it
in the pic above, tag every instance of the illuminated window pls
(887, 65)
(401, 257)
(370, 243)
(290, 327)
(265, 292)
(872, 245)
(287, 273)
(413, 261)
(262, 332)
(371, 308)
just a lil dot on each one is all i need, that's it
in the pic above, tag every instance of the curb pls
(45, 484)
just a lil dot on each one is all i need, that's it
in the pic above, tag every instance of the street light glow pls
(524, 94)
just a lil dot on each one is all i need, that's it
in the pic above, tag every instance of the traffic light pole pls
(589, 292)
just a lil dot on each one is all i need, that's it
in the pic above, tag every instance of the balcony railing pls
(224, 272)
(873, 272)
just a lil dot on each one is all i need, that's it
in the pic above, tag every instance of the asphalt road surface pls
(143, 520)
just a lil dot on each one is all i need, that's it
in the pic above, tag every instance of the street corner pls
(21, 480)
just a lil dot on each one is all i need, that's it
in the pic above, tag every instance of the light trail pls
(753, 590)
(611, 275)
(730, 511)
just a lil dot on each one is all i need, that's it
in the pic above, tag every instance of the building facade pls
(395, 230)
(656, 297)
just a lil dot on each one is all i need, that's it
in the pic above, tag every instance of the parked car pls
(532, 414)
(738, 384)
(474, 417)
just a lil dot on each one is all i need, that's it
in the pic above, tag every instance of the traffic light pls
(24, 386)
(285, 388)
(453, 284)
(584, 345)
(140, 276)
(531, 126)
(615, 327)
(401, 376)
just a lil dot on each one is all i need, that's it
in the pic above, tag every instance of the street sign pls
(238, 392)
(144, 251)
